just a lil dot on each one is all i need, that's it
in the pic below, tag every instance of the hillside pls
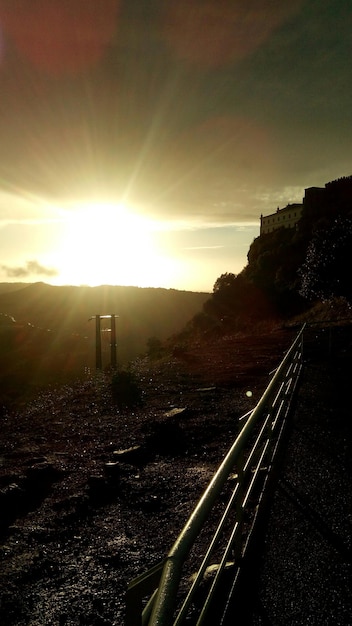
(53, 307)
(93, 494)
(8, 287)
(46, 336)
(290, 270)
(84, 509)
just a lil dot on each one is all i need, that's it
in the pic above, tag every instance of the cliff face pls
(289, 269)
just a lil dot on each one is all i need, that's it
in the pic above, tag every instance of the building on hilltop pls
(335, 197)
(314, 200)
(283, 218)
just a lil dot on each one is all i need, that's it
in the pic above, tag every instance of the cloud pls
(32, 268)
(203, 247)
(280, 196)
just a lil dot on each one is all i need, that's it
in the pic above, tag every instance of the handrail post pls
(98, 359)
(137, 589)
(113, 341)
(239, 504)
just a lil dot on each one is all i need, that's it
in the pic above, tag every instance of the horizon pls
(111, 243)
(102, 286)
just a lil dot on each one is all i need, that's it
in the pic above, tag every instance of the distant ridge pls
(41, 303)
(8, 287)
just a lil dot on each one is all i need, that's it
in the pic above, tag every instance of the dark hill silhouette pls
(52, 307)
(8, 287)
(52, 339)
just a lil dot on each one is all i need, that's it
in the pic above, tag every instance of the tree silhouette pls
(224, 282)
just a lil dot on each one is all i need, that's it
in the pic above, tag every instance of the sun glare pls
(110, 244)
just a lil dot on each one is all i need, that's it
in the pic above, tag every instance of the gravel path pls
(305, 573)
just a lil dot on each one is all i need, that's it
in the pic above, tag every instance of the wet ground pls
(92, 495)
(305, 571)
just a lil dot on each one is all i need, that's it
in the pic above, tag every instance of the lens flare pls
(60, 36)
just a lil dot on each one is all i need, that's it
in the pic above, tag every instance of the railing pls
(187, 585)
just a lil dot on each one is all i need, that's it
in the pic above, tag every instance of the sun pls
(108, 243)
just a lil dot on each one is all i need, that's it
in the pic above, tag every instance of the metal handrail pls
(265, 424)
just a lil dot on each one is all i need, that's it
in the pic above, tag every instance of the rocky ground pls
(92, 495)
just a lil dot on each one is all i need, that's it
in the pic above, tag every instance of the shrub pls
(125, 389)
(155, 348)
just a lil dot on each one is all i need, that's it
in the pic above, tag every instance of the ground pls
(305, 564)
(93, 494)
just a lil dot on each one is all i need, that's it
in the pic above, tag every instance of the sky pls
(141, 140)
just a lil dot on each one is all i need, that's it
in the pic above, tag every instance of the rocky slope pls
(92, 495)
